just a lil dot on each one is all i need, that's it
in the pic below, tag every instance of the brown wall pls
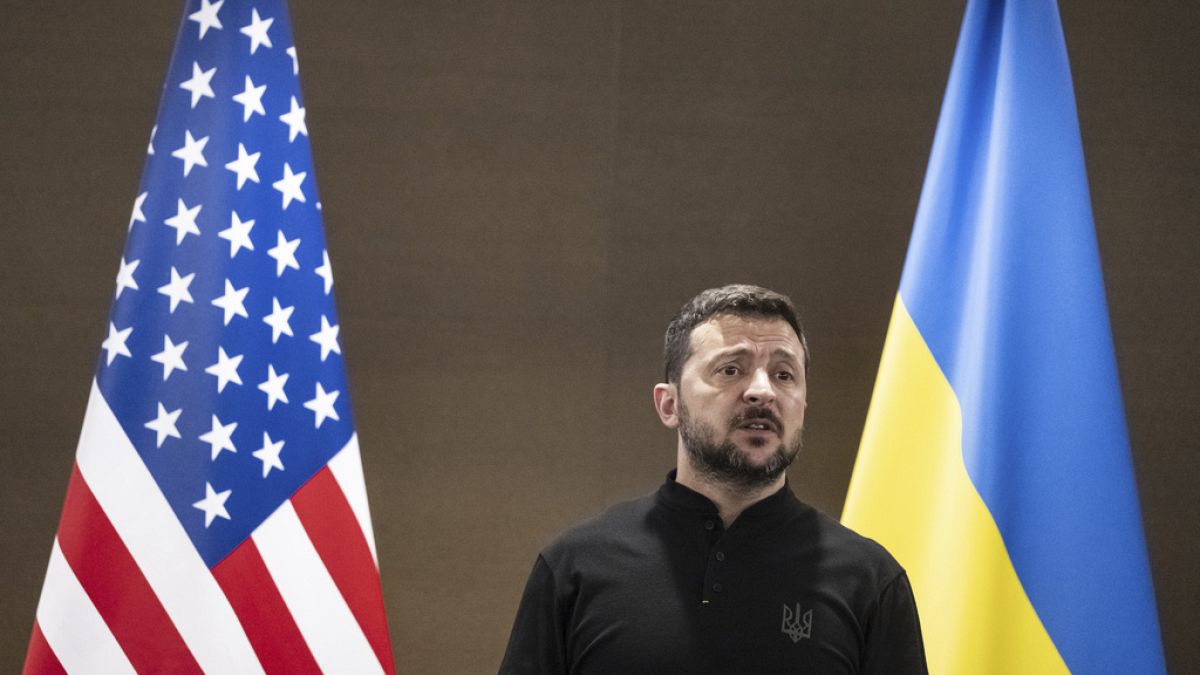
(518, 196)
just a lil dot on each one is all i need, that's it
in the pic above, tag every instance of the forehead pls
(731, 332)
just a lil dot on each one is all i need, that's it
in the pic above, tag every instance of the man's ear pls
(666, 404)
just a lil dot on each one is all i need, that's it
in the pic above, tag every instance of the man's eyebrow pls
(731, 353)
(786, 353)
(737, 352)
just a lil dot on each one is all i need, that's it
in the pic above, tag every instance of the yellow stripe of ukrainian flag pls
(910, 491)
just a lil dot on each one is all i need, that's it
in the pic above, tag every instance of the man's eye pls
(785, 375)
(729, 370)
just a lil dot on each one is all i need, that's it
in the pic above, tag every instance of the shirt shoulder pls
(843, 549)
(620, 526)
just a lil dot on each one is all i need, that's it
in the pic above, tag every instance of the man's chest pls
(718, 611)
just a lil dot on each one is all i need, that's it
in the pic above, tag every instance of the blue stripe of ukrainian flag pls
(995, 460)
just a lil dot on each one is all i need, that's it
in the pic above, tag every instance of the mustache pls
(755, 413)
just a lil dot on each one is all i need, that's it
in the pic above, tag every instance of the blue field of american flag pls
(216, 519)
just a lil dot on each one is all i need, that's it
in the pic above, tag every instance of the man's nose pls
(760, 390)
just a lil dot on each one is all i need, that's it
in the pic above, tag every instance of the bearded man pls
(723, 569)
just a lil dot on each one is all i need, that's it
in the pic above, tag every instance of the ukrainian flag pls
(995, 461)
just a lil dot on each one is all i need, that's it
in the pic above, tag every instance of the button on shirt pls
(658, 585)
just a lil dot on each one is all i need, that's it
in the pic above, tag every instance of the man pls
(722, 570)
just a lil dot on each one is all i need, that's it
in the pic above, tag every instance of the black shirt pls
(658, 585)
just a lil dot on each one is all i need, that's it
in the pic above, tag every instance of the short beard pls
(723, 463)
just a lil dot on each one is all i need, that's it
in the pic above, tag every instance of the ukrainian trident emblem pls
(797, 626)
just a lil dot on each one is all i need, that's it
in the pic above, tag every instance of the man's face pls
(741, 399)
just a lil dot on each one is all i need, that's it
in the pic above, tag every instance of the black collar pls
(682, 498)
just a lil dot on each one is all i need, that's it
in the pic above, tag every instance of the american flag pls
(216, 518)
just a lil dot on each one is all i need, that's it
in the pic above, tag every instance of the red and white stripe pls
(126, 591)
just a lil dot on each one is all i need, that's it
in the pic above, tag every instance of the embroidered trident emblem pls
(797, 626)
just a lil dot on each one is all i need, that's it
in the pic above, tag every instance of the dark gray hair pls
(737, 299)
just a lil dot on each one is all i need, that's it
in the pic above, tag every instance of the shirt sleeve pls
(537, 644)
(893, 642)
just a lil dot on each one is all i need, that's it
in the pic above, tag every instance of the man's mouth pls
(759, 425)
(757, 419)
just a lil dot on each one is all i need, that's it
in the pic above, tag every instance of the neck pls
(731, 500)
